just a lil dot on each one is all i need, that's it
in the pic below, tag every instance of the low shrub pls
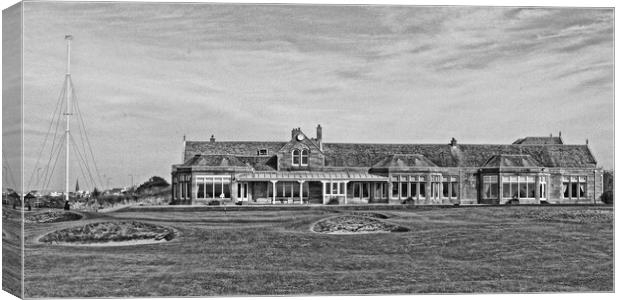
(608, 197)
(333, 201)
(408, 201)
(214, 202)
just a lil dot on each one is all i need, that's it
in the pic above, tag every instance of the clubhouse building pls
(305, 170)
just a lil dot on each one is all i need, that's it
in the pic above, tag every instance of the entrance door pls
(242, 191)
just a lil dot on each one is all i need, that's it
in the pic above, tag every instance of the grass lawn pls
(447, 250)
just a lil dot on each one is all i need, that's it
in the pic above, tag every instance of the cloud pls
(147, 73)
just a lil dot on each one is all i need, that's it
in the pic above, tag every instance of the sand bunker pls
(110, 234)
(51, 217)
(369, 214)
(355, 224)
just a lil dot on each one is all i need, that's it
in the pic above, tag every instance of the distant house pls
(114, 192)
(307, 170)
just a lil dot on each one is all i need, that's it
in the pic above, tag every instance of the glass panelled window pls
(357, 190)
(296, 157)
(454, 185)
(395, 189)
(543, 187)
(413, 186)
(304, 157)
(435, 186)
(517, 187)
(360, 190)
(201, 188)
(212, 187)
(337, 188)
(490, 186)
(531, 189)
(445, 188)
(574, 187)
(422, 186)
(403, 189)
(505, 187)
(217, 184)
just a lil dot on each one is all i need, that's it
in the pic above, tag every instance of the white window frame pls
(519, 180)
(214, 179)
(293, 157)
(542, 187)
(301, 157)
(579, 179)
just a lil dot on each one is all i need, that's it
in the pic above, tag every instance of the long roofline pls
(366, 143)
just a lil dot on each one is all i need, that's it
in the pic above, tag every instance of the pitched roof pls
(404, 162)
(512, 161)
(540, 140)
(359, 155)
(216, 160)
(232, 148)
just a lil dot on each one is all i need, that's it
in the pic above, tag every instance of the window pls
(296, 155)
(531, 189)
(394, 189)
(517, 187)
(304, 157)
(334, 188)
(403, 189)
(543, 187)
(422, 184)
(445, 189)
(201, 188)
(262, 152)
(455, 189)
(213, 187)
(435, 186)
(490, 187)
(574, 187)
(360, 190)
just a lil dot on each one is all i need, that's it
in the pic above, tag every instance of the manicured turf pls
(449, 250)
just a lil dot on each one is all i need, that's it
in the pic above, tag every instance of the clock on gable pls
(300, 137)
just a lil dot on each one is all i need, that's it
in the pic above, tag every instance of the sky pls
(146, 74)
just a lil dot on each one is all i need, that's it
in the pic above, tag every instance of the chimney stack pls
(212, 139)
(453, 142)
(294, 133)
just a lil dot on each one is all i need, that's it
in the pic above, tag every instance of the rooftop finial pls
(212, 139)
(560, 133)
(586, 141)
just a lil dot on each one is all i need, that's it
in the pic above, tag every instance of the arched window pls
(304, 157)
(296, 157)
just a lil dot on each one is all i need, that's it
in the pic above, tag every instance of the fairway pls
(447, 250)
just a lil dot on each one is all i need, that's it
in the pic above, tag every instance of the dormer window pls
(304, 157)
(296, 157)
(262, 152)
(300, 157)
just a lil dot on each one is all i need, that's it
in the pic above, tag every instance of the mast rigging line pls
(66, 140)
(53, 115)
(49, 179)
(83, 128)
(82, 159)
